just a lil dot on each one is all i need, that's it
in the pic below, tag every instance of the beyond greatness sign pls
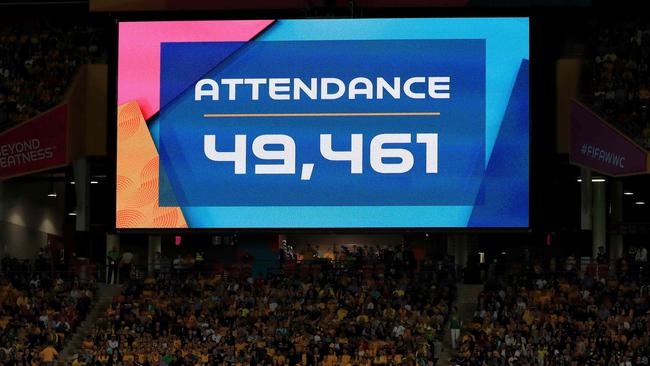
(35, 145)
(327, 123)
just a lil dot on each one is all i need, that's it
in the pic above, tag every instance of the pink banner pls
(35, 145)
(597, 145)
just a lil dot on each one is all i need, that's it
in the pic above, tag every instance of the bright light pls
(598, 180)
(73, 182)
(503, 253)
(52, 194)
(579, 180)
(94, 182)
(72, 214)
(628, 193)
(481, 257)
(639, 203)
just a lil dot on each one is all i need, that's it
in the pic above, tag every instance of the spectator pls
(112, 259)
(455, 325)
(437, 350)
(126, 265)
(602, 257)
(641, 256)
(48, 355)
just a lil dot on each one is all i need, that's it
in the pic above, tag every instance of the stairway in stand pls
(466, 303)
(105, 294)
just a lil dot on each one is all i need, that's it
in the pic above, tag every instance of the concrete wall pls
(567, 74)
(87, 110)
(27, 215)
(96, 110)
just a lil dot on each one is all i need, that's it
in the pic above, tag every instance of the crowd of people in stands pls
(335, 317)
(617, 78)
(37, 315)
(38, 60)
(371, 308)
(576, 318)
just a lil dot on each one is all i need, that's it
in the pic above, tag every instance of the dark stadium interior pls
(86, 279)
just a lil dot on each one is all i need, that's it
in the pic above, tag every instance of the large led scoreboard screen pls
(365, 123)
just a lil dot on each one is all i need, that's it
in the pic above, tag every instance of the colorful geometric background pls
(139, 99)
(504, 197)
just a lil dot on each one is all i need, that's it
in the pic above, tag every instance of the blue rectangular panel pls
(247, 106)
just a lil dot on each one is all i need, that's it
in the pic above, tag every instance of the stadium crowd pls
(559, 319)
(617, 78)
(37, 315)
(335, 317)
(38, 60)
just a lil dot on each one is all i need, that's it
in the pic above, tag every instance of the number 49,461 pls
(285, 158)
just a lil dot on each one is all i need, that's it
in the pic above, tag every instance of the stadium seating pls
(38, 60)
(559, 319)
(336, 318)
(616, 81)
(37, 315)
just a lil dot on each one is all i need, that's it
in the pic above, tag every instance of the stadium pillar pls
(615, 217)
(81, 170)
(154, 247)
(457, 246)
(599, 217)
(585, 199)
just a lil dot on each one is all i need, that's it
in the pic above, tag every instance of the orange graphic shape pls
(138, 176)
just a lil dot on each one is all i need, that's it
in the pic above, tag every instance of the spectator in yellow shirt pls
(48, 355)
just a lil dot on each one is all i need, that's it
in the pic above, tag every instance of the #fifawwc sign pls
(598, 146)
